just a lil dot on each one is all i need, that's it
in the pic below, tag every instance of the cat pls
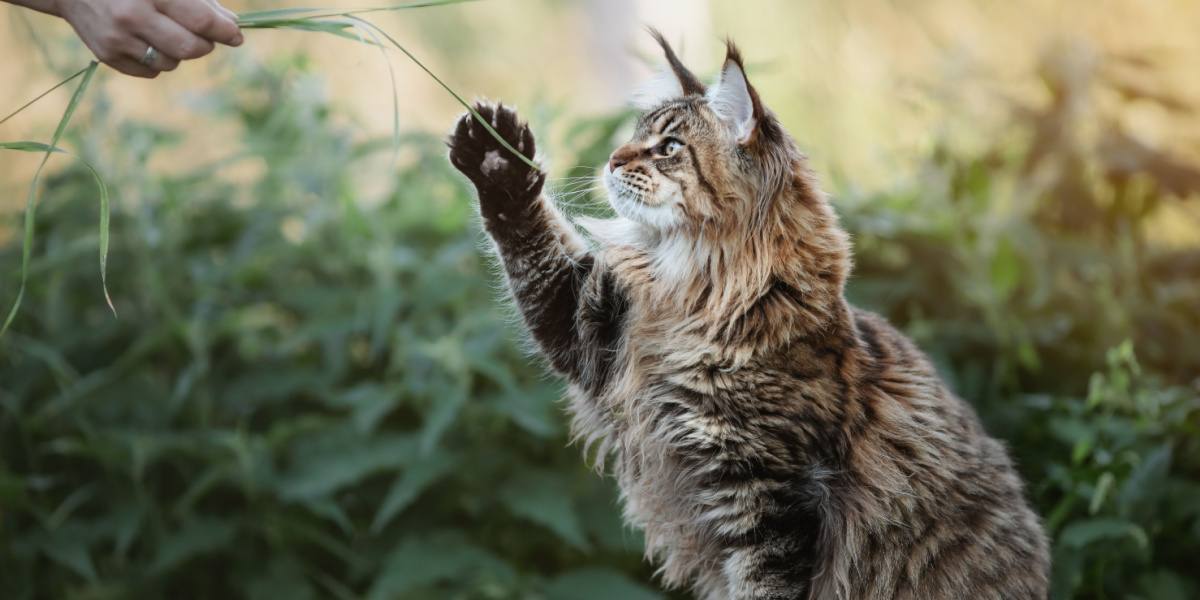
(771, 441)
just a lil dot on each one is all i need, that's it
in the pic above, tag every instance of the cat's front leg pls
(556, 283)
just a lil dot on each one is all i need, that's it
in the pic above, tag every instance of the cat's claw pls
(500, 176)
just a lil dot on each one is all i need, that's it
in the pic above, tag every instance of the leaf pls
(45, 93)
(283, 578)
(200, 535)
(71, 552)
(333, 467)
(409, 485)
(365, 26)
(478, 119)
(597, 584)
(539, 497)
(333, 27)
(127, 522)
(533, 409)
(440, 419)
(263, 18)
(447, 556)
(76, 499)
(1146, 481)
(31, 199)
(368, 402)
(30, 147)
(1103, 485)
(327, 508)
(274, 385)
(1005, 269)
(104, 206)
(1164, 584)
(1083, 533)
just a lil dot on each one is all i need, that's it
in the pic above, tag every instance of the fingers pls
(205, 19)
(232, 16)
(161, 62)
(125, 54)
(171, 40)
(132, 67)
(119, 31)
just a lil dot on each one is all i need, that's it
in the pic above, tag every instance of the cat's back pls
(952, 520)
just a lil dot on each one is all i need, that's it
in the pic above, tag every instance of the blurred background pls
(315, 387)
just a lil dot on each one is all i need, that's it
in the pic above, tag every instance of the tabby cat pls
(771, 440)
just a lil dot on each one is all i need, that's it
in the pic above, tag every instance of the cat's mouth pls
(632, 187)
(633, 196)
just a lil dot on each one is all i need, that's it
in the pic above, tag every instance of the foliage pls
(308, 394)
(1029, 272)
(302, 397)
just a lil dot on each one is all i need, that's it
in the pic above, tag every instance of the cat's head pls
(700, 156)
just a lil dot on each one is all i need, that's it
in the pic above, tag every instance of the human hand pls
(119, 32)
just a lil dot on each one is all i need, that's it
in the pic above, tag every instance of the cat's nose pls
(621, 157)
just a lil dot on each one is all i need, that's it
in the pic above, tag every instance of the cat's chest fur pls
(693, 436)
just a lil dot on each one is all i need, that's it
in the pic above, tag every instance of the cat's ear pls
(734, 99)
(688, 83)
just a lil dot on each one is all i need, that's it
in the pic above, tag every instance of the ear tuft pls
(733, 98)
(658, 89)
(688, 82)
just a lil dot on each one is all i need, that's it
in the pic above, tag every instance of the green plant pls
(1018, 278)
(1125, 499)
(344, 23)
(302, 397)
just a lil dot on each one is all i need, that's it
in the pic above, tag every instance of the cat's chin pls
(618, 231)
(656, 220)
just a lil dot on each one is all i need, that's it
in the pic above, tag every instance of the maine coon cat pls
(771, 440)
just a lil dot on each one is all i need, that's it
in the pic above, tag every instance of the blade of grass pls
(307, 19)
(30, 147)
(478, 118)
(104, 216)
(337, 28)
(43, 94)
(31, 201)
(264, 18)
(364, 25)
(300, 18)
(26, 146)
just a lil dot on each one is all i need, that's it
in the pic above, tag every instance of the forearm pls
(49, 7)
(564, 296)
(547, 267)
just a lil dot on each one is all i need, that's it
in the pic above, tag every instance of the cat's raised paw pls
(498, 174)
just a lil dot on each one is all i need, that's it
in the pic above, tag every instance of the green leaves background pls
(306, 395)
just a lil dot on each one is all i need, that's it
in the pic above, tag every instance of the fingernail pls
(238, 39)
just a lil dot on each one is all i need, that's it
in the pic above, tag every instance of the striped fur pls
(772, 441)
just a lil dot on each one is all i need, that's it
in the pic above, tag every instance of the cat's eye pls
(667, 147)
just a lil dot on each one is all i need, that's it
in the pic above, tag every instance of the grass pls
(31, 199)
(343, 23)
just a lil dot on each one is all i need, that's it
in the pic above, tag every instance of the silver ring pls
(150, 56)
